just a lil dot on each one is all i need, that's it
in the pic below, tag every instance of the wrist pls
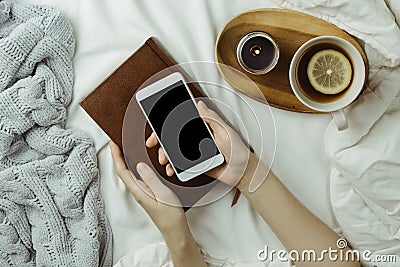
(174, 227)
(254, 167)
(179, 239)
(183, 249)
(176, 233)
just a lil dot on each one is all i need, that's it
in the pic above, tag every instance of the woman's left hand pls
(162, 205)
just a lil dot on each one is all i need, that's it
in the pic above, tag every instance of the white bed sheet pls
(108, 32)
(364, 181)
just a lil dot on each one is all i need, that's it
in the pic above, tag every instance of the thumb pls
(161, 192)
(150, 178)
(216, 123)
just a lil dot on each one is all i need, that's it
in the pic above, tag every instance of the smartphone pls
(171, 111)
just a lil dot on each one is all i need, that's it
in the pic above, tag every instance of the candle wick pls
(255, 50)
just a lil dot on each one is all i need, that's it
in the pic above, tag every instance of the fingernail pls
(142, 168)
(111, 146)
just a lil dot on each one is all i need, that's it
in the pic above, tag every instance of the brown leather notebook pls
(108, 105)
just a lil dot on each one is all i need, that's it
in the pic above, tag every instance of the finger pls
(211, 117)
(170, 171)
(132, 184)
(152, 140)
(145, 191)
(140, 191)
(150, 178)
(119, 161)
(162, 158)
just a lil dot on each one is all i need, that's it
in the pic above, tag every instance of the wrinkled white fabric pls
(107, 32)
(371, 21)
(154, 255)
(365, 176)
(157, 255)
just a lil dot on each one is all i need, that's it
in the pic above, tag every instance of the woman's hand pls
(151, 194)
(169, 218)
(235, 165)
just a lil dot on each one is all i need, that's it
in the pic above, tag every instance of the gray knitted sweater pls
(51, 213)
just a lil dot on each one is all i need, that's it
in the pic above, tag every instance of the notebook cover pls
(108, 103)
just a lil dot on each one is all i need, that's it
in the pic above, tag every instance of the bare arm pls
(296, 227)
(183, 249)
(170, 219)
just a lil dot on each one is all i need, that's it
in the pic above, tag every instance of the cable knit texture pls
(51, 213)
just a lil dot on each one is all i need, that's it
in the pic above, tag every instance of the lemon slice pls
(329, 71)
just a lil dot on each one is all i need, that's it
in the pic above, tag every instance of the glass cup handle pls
(340, 119)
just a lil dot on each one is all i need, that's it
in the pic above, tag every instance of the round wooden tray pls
(290, 29)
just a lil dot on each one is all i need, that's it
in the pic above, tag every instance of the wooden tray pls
(290, 29)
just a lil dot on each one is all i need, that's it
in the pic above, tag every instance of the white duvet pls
(351, 180)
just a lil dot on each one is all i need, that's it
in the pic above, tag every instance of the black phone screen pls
(178, 125)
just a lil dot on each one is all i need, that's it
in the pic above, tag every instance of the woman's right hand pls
(228, 141)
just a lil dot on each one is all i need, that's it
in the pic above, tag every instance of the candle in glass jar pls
(257, 52)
